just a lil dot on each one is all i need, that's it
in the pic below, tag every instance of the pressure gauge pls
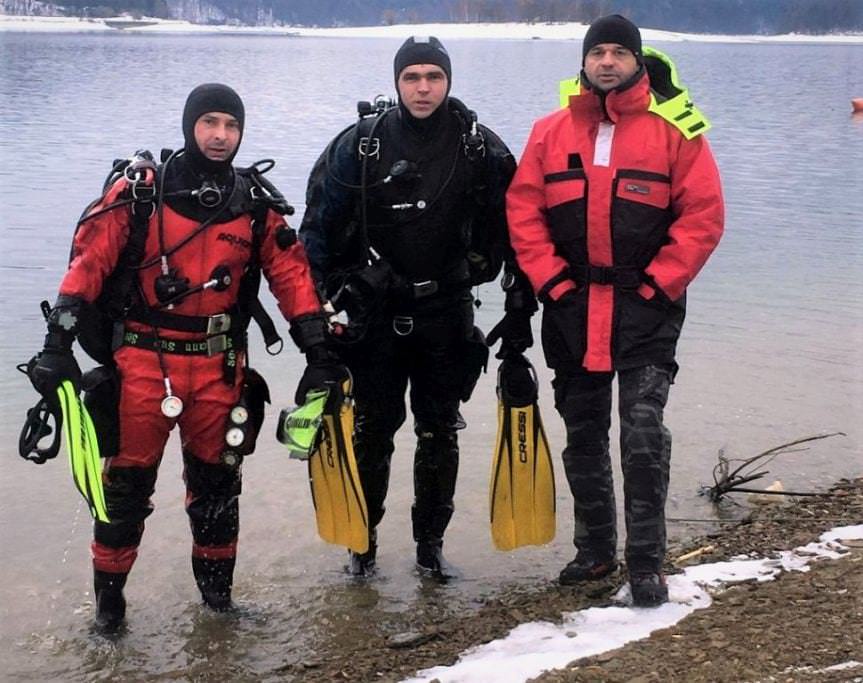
(234, 436)
(239, 415)
(172, 406)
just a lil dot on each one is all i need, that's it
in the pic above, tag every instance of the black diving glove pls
(323, 369)
(55, 362)
(514, 331)
(50, 368)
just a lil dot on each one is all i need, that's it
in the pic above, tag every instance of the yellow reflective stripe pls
(567, 88)
(682, 114)
(679, 111)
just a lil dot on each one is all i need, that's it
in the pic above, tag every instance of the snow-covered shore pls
(503, 31)
(535, 647)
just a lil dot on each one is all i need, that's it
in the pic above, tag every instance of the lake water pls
(771, 350)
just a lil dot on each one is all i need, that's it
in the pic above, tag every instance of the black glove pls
(323, 369)
(50, 367)
(56, 363)
(514, 330)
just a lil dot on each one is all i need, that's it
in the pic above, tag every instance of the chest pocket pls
(640, 215)
(566, 210)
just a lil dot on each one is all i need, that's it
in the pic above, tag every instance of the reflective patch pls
(602, 147)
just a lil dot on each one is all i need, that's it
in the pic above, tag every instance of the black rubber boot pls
(648, 590)
(214, 579)
(586, 567)
(110, 603)
(432, 564)
(364, 564)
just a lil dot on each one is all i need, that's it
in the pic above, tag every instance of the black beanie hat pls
(205, 98)
(422, 50)
(613, 29)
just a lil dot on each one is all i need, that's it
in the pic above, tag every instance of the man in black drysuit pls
(405, 212)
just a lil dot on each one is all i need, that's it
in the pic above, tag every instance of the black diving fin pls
(521, 491)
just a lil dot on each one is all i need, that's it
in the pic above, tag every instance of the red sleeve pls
(525, 212)
(288, 273)
(96, 247)
(696, 200)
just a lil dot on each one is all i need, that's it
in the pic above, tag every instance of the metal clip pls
(217, 344)
(217, 324)
(403, 325)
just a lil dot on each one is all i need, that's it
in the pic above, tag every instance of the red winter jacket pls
(623, 209)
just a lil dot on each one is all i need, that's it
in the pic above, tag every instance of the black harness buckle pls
(621, 277)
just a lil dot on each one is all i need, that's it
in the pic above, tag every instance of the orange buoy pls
(857, 104)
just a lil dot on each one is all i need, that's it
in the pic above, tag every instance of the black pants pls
(584, 401)
(429, 358)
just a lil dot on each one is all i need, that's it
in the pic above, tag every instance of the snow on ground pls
(503, 31)
(532, 648)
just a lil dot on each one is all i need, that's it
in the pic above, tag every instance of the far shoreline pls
(474, 31)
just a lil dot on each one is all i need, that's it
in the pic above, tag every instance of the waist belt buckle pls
(600, 275)
(424, 288)
(628, 278)
(217, 344)
(403, 325)
(218, 324)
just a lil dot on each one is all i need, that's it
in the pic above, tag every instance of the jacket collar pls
(596, 105)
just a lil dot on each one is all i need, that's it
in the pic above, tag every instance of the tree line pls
(703, 16)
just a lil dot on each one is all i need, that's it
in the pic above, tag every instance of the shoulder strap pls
(264, 196)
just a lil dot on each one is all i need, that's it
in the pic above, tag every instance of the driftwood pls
(727, 480)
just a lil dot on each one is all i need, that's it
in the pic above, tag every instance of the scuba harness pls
(360, 291)
(102, 330)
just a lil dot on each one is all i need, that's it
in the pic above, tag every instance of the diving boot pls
(432, 564)
(110, 603)
(586, 566)
(364, 564)
(648, 589)
(214, 579)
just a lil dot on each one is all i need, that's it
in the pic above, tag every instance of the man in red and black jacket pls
(615, 207)
(179, 353)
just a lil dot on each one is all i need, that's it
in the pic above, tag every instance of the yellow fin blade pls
(522, 493)
(340, 506)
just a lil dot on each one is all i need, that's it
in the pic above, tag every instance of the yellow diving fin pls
(522, 496)
(340, 506)
(83, 448)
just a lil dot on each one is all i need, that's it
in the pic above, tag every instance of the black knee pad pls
(128, 491)
(213, 506)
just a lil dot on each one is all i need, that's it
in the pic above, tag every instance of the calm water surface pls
(771, 349)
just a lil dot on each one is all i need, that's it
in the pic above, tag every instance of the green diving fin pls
(521, 490)
(83, 448)
(340, 506)
(299, 429)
